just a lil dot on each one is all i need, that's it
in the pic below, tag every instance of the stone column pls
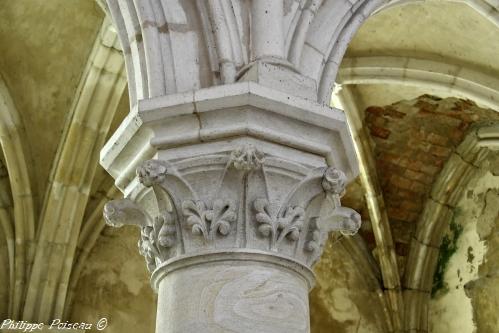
(234, 207)
(267, 37)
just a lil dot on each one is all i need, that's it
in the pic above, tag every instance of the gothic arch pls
(8, 243)
(21, 225)
(458, 80)
(311, 38)
(463, 165)
(94, 106)
(325, 68)
(325, 65)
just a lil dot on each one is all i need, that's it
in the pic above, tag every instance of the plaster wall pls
(451, 310)
(115, 285)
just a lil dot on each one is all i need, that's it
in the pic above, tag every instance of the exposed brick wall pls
(413, 140)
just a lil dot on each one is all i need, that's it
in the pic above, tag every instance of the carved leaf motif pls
(288, 225)
(156, 239)
(147, 247)
(207, 222)
(195, 211)
(167, 231)
(316, 240)
(314, 244)
(291, 223)
(263, 217)
(221, 216)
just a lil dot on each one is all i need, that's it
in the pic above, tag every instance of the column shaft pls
(243, 296)
(267, 35)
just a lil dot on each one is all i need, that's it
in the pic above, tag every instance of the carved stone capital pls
(236, 171)
(212, 202)
(237, 198)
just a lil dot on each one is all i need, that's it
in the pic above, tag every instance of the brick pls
(462, 105)
(401, 182)
(411, 205)
(438, 162)
(424, 146)
(418, 187)
(426, 158)
(376, 110)
(382, 164)
(456, 135)
(380, 132)
(451, 120)
(412, 146)
(437, 139)
(440, 151)
(430, 169)
(415, 165)
(403, 162)
(415, 175)
(406, 194)
(378, 121)
(463, 126)
(397, 214)
(394, 158)
(392, 112)
(426, 107)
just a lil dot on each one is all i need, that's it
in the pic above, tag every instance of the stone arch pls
(21, 225)
(324, 66)
(73, 170)
(175, 46)
(182, 30)
(470, 156)
(8, 241)
(458, 80)
(402, 169)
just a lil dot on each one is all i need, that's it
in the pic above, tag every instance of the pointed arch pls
(470, 156)
(94, 106)
(326, 43)
(17, 159)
